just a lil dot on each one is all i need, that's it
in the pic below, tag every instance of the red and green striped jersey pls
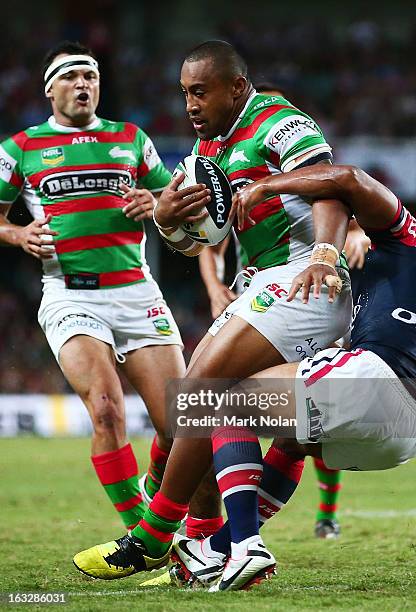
(75, 174)
(270, 136)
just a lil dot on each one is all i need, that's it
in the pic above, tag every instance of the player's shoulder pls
(279, 118)
(265, 106)
(34, 131)
(125, 128)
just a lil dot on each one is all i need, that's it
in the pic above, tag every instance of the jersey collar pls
(240, 116)
(95, 123)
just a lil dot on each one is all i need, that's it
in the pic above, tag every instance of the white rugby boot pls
(242, 571)
(196, 565)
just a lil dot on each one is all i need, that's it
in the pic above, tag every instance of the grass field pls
(52, 506)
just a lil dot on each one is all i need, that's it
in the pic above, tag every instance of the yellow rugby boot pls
(117, 559)
(162, 580)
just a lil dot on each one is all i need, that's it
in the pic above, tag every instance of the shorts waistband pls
(103, 280)
(82, 281)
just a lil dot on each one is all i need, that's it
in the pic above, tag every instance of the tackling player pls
(212, 267)
(101, 307)
(374, 431)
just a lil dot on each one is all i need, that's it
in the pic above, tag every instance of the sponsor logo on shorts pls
(310, 350)
(262, 301)
(314, 416)
(53, 156)
(78, 320)
(163, 327)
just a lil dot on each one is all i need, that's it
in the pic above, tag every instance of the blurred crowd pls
(360, 81)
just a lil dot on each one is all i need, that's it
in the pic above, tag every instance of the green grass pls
(52, 507)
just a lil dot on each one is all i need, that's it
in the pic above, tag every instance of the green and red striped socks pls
(161, 520)
(158, 460)
(329, 486)
(118, 473)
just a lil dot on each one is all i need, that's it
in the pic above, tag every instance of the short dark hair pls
(223, 55)
(65, 46)
(268, 86)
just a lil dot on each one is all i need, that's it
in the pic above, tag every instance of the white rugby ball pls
(215, 227)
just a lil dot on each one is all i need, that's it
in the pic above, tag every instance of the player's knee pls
(106, 413)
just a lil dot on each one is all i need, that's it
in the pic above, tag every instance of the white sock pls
(210, 552)
(240, 550)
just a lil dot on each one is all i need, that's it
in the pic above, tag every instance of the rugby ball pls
(215, 227)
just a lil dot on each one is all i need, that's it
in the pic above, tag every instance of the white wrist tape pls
(174, 235)
(324, 253)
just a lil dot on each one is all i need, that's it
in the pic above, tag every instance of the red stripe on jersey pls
(84, 205)
(129, 504)
(255, 173)
(265, 209)
(122, 277)
(260, 212)
(330, 366)
(209, 147)
(111, 279)
(16, 180)
(244, 133)
(143, 169)
(36, 178)
(239, 478)
(98, 241)
(20, 139)
(61, 139)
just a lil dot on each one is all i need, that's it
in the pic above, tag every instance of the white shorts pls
(357, 408)
(295, 329)
(126, 318)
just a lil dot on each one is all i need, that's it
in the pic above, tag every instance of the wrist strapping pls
(170, 233)
(324, 253)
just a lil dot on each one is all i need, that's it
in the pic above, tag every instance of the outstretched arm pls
(373, 205)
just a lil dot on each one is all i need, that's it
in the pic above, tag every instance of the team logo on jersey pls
(163, 327)
(262, 301)
(150, 155)
(237, 156)
(53, 156)
(117, 152)
(62, 184)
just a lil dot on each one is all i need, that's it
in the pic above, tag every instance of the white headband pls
(66, 64)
